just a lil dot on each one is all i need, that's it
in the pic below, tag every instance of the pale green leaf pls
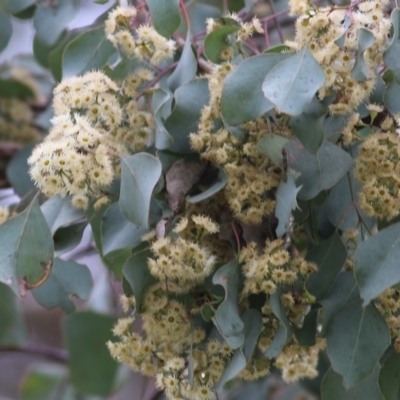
(292, 84)
(317, 172)
(227, 318)
(330, 256)
(272, 146)
(165, 16)
(242, 98)
(6, 30)
(51, 18)
(67, 278)
(217, 40)
(356, 338)
(376, 263)
(91, 368)
(117, 232)
(90, 50)
(43, 382)
(26, 246)
(140, 174)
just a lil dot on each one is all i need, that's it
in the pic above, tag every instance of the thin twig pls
(277, 25)
(58, 355)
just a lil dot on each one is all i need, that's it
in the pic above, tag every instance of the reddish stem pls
(236, 236)
(266, 35)
(185, 14)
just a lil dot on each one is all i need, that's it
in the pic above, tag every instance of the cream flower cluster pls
(143, 43)
(250, 174)
(335, 46)
(79, 156)
(378, 169)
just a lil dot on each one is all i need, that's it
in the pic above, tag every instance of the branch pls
(52, 353)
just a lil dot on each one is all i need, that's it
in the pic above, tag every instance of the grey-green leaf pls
(15, 6)
(67, 279)
(332, 387)
(377, 263)
(26, 245)
(51, 18)
(218, 185)
(292, 84)
(286, 195)
(163, 139)
(391, 56)
(252, 329)
(91, 367)
(138, 275)
(117, 232)
(342, 206)
(140, 174)
(12, 327)
(165, 15)
(344, 290)
(227, 318)
(308, 126)
(90, 50)
(186, 69)
(60, 212)
(356, 338)
(272, 146)
(284, 332)
(365, 40)
(189, 101)
(330, 257)
(6, 30)
(389, 377)
(317, 172)
(391, 97)
(242, 98)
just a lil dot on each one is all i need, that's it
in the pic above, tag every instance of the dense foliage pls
(247, 197)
